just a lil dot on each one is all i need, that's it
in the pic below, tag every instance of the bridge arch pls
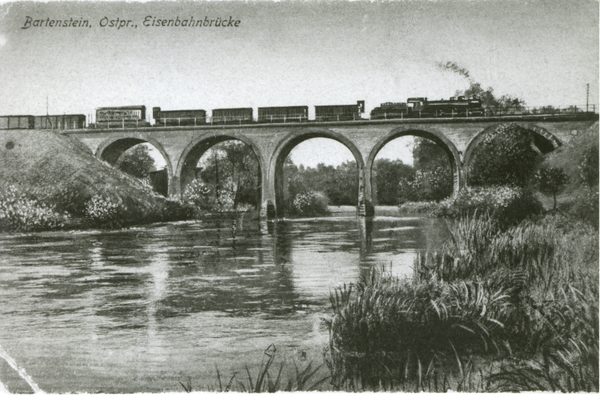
(186, 166)
(273, 198)
(545, 142)
(427, 133)
(111, 150)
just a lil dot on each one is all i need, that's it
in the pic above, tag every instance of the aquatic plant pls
(395, 332)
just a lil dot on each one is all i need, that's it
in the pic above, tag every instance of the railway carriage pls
(176, 118)
(17, 122)
(127, 116)
(282, 114)
(61, 122)
(224, 116)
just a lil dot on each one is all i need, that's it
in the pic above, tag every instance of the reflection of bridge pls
(182, 147)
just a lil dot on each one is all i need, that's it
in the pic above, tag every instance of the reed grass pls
(497, 309)
(271, 378)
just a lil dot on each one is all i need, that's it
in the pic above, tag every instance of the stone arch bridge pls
(182, 147)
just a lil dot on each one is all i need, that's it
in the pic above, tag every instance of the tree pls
(137, 162)
(427, 155)
(431, 178)
(506, 156)
(339, 184)
(550, 181)
(488, 99)
(388, 176)
(230, 170)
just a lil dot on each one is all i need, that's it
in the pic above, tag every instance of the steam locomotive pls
(423, 108)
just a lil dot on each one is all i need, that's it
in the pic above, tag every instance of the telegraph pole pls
(587, 97)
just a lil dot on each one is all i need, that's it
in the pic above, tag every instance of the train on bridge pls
(135, 116)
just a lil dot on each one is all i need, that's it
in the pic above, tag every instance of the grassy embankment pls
(53, 181)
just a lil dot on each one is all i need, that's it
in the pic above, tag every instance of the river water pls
(145, 309)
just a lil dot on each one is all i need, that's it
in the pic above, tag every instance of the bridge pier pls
(365, 192)
(174, 187)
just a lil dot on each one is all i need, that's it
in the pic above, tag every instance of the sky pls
(293, 53)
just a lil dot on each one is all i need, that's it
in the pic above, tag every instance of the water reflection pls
(154, 300)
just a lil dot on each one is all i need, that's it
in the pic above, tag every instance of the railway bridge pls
(182, 147)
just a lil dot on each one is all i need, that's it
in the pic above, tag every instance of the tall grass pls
(271, 378)
(496, 309)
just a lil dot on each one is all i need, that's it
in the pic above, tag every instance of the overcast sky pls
(294, 53)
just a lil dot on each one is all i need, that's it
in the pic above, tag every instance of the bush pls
(201, 195)
(100, 210)
(20, 212)
(583, 208)
(430, 185)
(310, 204)
(506, 205)
(504, 157)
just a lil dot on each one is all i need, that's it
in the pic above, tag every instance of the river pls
(150, 308)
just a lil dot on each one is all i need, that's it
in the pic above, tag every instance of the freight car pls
(339, 112)
(61, 122)
(178, 118)
(17, 122)
(232, 116)
(283, 114)
(128, 116)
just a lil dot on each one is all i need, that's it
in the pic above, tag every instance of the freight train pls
(135, 115)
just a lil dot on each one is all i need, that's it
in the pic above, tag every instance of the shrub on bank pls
(20, 212)
(100, 210)
(507, 205)
(311, 204)
(203, 196)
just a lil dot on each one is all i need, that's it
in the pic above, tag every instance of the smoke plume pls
(454, 68)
